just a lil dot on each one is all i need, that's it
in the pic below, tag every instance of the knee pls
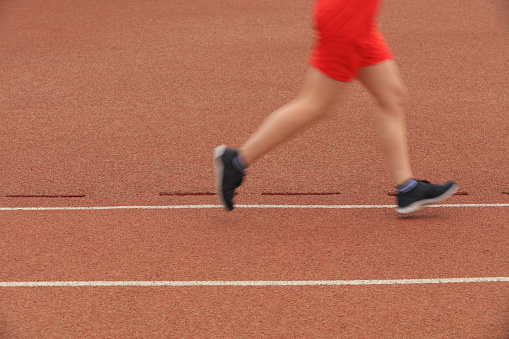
(316, 109)
(393, 99)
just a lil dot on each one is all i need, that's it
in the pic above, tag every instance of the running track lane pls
(68, 50)
(253, 245)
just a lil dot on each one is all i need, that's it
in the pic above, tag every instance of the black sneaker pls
(227, 176)
(423, 194)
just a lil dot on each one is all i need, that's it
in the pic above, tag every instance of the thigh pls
(321, 91)
(383, 81)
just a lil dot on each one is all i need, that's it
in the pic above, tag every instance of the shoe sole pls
(418, 204)
(219, 167)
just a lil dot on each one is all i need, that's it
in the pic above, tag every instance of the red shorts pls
(347, 37)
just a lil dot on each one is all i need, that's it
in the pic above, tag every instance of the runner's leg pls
(315, 101)
(385, 84)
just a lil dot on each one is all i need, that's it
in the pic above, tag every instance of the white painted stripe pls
(169, 207)
(250, 283)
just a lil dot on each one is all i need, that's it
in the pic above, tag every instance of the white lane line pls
(169, 207)
(250, 283)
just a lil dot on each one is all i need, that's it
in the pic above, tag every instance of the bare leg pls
(315, 101)
(384, 83)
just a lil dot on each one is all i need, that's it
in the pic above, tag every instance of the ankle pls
(238, 163)
(407, 186)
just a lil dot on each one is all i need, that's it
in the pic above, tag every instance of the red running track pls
(121, 101)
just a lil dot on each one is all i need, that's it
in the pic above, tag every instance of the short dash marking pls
(45, 196)
(185, 194)
(300, 193)
(394, 193)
